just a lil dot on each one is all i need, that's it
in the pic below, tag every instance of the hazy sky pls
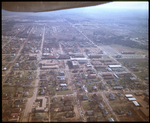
(126, 5)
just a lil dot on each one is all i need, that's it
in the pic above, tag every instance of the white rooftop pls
(114, 65)
(136, 103)
(128, 95)
(131, 99)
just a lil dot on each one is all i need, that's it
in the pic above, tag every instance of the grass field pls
(64, 92)
(8, 89)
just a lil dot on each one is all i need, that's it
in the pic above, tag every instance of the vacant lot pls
(120, 48)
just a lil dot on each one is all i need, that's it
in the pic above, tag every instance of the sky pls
(126, 5)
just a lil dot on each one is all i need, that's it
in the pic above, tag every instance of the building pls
(32, 58)
(136, 103)
(90, 112)
(95, 55)
(80, 60)
(111, 119)
(112, 96)
(63, 85)
(92, 76)
(61, 73)
(76, 55)
(131, 99)
(114, 66)
(127, 52)
(75, 64)
(43, 104)
(64, 56)
(117, 87)
(84, 97)
(128, 95)
(50, 67)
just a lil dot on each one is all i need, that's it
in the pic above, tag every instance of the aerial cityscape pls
(75, 65)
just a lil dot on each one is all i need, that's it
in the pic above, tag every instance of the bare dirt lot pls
(120, 48)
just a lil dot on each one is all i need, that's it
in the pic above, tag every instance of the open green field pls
(10, 90)
(64, 92)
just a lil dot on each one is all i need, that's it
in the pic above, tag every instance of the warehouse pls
(50, 67)
(76, 55)
(128, 95)
(75, 64)
(110, 63)
(95, 56)
(131, 99)
(114, 66)
(136, 103)
(79, 59)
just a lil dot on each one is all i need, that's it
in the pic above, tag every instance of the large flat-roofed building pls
(43, 104)
(127, 52)
(49, 67)
(84, 60)
(76, 55)
(114, 66)
(95, 56)
(75, 64)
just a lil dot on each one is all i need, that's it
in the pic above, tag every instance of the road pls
(33, 98)
(16, 57)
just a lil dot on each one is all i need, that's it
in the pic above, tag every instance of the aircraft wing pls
(45, 6)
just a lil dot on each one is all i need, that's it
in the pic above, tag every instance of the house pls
(19, 101)
(92, 118)
(94, 96)
(119, 95)
(120, 111)
(117, 87)
(26, 94)
(90, 112)
(111, 119)
(101, 106)
(61, 73)
(42, 92)
(129, 113)
(95, 87)
(64, 88)
(105, 112)
(70, 114)
(112, 96)
(84, 97)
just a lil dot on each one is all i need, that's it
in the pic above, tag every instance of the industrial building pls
(95, 56)
(114, 66)
(43, 104)
(80, 60)
(75, 64)
(49, 67)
